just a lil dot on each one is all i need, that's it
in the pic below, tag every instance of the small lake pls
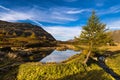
(58, 56)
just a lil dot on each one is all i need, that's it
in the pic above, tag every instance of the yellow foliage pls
(85, 52)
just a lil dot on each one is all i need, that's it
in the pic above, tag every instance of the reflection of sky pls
(58, 56)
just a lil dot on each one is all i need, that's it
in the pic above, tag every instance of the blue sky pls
(62, 18)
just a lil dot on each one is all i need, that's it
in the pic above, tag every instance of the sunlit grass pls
(114, 63)
(72, 69)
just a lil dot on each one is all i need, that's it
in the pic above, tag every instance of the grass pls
(114, 60)
(72, 69)
(114, 63)
(112, 48)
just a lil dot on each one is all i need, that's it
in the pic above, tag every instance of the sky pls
(62, 18)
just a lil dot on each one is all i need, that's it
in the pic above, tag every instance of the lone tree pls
(94, 35)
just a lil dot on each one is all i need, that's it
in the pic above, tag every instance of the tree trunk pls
(90, 50)
(88, 55)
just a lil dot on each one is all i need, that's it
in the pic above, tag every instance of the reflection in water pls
(58, 56)
(38, 55)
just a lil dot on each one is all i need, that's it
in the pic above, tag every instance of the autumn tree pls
(94, 34)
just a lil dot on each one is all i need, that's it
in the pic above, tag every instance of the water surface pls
(58, 56)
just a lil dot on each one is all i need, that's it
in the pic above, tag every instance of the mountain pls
(116, 35)
(24, 34)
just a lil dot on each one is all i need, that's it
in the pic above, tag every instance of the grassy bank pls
(114, 63)
(71, 69)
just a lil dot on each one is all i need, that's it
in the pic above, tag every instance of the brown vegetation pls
(24, 34)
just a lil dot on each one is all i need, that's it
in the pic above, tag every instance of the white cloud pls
(65, 18)
(13, 16)
(115, 9)
(114, 25)
(64, 33)
(5, 8)
(111, 10)
(78, 11)
(36, 22)
(52, 15)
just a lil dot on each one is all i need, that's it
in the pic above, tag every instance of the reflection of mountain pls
(10, 61)
(24, 34)
(25, 56)
(36, 55)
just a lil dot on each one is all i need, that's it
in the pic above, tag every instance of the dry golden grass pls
(114, 48)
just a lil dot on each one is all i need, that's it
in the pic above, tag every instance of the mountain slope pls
(116, 35)
(23, 34)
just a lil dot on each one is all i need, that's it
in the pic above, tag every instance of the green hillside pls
(24, 34)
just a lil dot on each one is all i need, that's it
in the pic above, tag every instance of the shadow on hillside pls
(90, 75)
